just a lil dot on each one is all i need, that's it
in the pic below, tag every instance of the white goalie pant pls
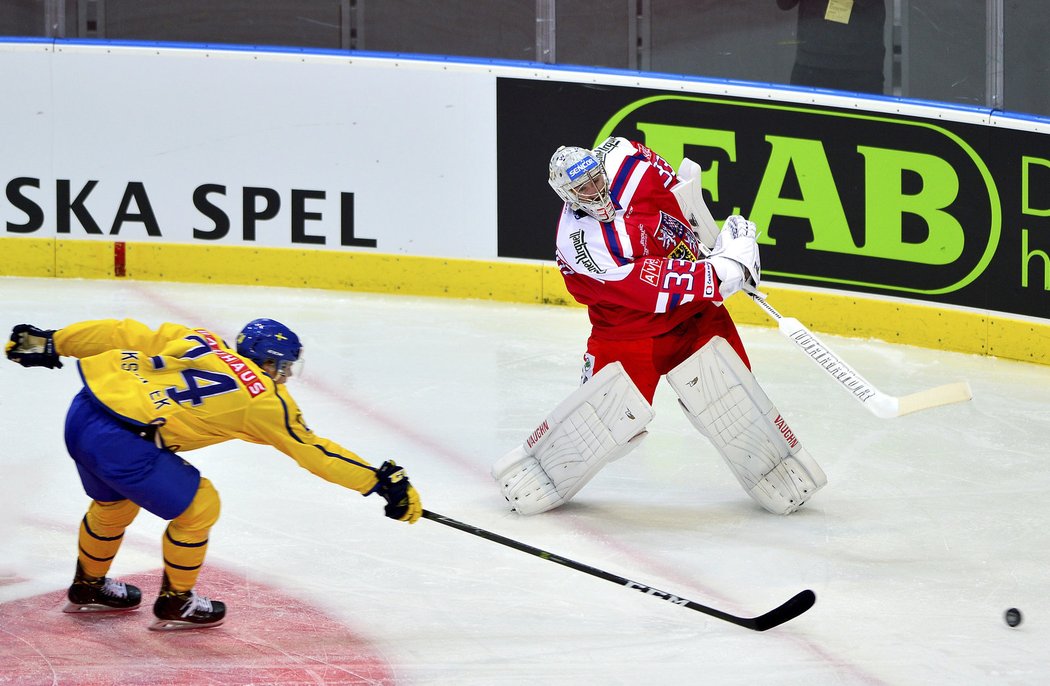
(603, 420)
(725, 403)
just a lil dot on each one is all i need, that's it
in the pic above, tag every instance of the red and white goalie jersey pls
(641, 274)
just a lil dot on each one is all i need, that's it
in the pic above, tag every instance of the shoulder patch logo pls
(650, 271)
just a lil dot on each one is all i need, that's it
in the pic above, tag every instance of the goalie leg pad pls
(603, 420)
(724, 402)
(524, 484)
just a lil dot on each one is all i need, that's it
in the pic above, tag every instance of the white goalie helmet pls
(578, 177)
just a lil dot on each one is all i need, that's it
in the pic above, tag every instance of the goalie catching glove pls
(32, 347)
(402, 499)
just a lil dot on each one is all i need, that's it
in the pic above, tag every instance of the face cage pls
(598, 202)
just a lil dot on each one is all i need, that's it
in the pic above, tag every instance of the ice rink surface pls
(930, 527)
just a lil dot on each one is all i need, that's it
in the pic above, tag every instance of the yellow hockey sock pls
(101, 533)
(185, 541)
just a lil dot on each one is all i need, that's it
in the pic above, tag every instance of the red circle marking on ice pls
(268, 638)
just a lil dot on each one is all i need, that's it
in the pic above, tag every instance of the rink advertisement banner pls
(245, 148)
(159, 145)
(933, 209)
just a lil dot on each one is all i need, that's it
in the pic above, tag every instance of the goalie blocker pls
(605, 418)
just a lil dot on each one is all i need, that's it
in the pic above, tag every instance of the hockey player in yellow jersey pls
(148, 395)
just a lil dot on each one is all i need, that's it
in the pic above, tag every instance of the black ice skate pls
(185, 610)
(100, 594)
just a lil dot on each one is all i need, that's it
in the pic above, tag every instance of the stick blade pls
(935, 397)
(785, 613)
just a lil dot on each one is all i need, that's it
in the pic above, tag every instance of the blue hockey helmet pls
(268, 340)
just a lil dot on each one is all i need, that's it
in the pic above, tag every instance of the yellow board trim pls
(896, 321)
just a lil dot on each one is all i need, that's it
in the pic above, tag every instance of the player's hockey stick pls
(789, 610)
(880, 404)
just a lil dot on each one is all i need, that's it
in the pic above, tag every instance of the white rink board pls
(401, 140)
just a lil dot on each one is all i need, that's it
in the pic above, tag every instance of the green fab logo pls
(843, 197)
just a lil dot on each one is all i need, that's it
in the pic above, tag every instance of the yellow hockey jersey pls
(200, 392)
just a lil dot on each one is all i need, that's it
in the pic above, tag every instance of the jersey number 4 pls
(201, 384)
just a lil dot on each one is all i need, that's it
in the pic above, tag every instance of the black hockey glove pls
(32, 347)
(402, 500)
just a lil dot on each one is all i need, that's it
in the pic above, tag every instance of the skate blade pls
(180, 625)
(79, 609)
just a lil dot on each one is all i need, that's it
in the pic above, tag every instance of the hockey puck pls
(1012, 616)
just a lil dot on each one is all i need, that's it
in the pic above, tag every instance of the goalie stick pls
(775, 617)
(691, 201)
(880, 404)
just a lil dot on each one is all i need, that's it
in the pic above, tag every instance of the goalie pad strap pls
(601, 421)
(724, 402)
